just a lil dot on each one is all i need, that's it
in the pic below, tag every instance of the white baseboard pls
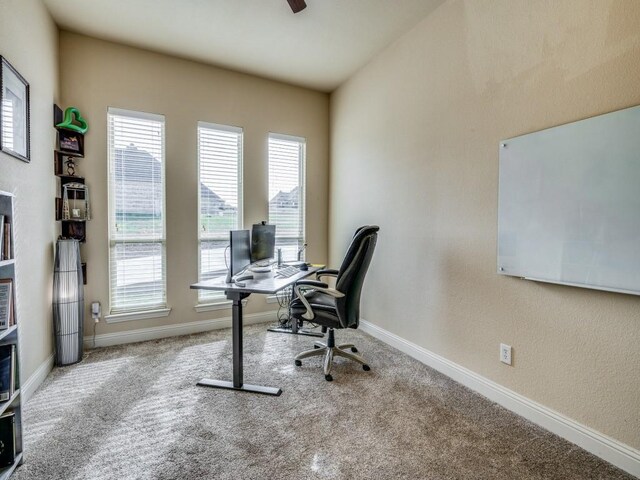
(603, 446)
(154, 333)
(29, 387)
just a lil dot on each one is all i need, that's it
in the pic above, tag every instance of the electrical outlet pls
(95, 311)
(505, 353)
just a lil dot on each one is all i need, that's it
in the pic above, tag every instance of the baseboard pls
(603, 446)
(29, 387)
(154, 333)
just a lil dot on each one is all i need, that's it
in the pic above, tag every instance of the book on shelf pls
(7, 371)
(7, 439)
(6, 303)
(6, 240)
(2, 237)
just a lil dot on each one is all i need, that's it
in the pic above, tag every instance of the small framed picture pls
(14, 118)
(70, 142)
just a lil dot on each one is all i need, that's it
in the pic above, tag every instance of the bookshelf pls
(9, 336)
(70, 148)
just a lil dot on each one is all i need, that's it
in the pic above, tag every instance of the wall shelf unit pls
(9, 336)
(72, 206)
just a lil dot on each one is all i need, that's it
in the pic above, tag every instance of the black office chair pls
(337, 307)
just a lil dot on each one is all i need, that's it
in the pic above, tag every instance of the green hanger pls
(68, 124)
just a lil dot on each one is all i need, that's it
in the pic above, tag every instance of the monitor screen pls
(263, 242)
(240, 251)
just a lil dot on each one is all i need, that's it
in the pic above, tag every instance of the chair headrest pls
(358, 237)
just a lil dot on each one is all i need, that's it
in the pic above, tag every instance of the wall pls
(415, 138)
(96, 75)
(33, 51)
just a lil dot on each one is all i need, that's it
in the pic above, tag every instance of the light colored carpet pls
(135, 412)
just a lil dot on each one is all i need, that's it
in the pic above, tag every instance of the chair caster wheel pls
(316, 347)
(366, 368)
(328, 378)
(354, 349)
(298, 363)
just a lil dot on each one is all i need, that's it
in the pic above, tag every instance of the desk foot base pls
(205, 382)
(302, 331)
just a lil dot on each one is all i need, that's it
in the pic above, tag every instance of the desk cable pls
(284, 298)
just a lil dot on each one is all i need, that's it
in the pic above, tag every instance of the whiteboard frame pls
(571, 131)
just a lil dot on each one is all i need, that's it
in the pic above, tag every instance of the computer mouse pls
(304, 267)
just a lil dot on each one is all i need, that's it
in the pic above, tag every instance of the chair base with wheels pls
(330, 350)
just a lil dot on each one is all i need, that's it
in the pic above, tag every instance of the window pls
(286, 192)
(137, 272)
(220, 210)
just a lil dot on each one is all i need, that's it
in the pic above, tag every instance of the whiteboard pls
(569, 204)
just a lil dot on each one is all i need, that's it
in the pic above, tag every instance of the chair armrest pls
(303, 285)
(312, 283)
(327, 272)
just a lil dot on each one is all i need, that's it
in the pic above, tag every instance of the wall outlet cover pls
(505, 353)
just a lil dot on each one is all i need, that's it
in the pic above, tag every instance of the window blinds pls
(286, 192)
(220, 180)
(137, 272)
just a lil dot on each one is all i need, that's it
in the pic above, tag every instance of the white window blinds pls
(137, 272)
(286, 192)
(220, 181)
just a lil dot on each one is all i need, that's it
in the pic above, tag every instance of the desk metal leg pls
(236, 327)
(238, 382)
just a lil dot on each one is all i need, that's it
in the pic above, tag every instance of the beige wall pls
(29, 41)
(95, 75)
(415, 149)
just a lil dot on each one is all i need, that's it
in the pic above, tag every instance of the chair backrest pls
(352, 272)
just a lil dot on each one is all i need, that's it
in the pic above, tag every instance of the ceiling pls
(318, 48)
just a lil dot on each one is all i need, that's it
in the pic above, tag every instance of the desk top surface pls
(267, 285)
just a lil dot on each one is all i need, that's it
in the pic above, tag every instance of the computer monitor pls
(263, 242)
(240, 256)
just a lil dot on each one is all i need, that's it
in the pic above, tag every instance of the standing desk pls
(236, 294)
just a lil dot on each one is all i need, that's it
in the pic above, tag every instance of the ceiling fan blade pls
(297, 5)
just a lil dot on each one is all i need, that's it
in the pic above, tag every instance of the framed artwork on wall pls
(14, 112)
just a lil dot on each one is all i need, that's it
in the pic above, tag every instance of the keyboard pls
(286, 272)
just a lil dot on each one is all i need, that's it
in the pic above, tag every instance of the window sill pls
(221, 305)
(142, 315)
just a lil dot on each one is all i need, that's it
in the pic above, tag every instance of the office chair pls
(337, 307)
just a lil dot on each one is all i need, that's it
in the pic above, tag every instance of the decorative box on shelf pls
(72, 209)
(75, 202)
